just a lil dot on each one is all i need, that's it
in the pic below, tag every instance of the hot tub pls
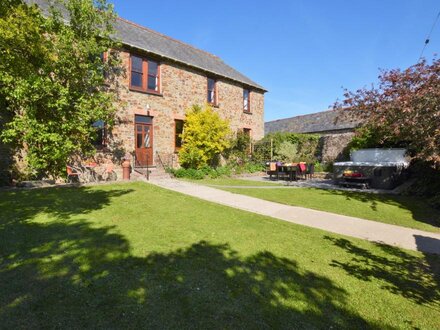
(376, 168)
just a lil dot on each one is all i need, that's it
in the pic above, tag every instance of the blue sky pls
(303, 52)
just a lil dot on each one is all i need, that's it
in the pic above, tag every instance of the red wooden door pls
(143, 144)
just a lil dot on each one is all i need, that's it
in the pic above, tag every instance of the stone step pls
(160, 175)
(154, 173)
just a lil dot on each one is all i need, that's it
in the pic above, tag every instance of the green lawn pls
(405, 211)
(137, 256)
(232, 182)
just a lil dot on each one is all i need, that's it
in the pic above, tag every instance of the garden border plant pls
(205, 136)
(207, 140)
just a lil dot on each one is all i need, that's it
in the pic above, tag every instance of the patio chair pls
(302, 170)
(73, 174)
(310, 171)
(272, 169)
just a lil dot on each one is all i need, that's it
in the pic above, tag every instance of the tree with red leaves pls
(405, 106)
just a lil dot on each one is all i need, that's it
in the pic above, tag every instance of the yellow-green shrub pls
(205, 136)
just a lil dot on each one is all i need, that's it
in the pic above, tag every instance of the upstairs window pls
(178, 130)
(212, 91)
(246, 100)
(137, 73)
(144, 74)
(153, 76)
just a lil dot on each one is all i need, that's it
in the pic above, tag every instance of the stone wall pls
(333, 145)
(181, 87)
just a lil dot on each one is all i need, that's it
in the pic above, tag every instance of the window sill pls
(214, 105)
(145, 92)
(247, 112)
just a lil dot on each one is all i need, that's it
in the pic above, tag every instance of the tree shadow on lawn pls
(70, 274)
(25, 204)
(403, 274)
(420, 210)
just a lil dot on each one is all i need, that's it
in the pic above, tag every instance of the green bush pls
(368, 137)
(214, 173)
(319, 167)
(427, 182)
(189, 173)
(365, 137)
(307, 145)
(199, 174)
(223, 171)
(435, 201)
(327, 167)
(324, 167)
(254, 167)
(288, 152)
(248, 167)
(239, 147)
(205, 136)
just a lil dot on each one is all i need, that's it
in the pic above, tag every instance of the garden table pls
(290, 170)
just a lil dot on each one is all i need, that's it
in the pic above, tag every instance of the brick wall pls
(181, 87)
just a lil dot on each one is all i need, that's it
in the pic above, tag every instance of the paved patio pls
(407, 238)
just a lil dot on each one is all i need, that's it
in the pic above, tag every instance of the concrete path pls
(407, 238)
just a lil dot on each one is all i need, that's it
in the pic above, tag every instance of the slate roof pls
(320, 122)
(134, 35)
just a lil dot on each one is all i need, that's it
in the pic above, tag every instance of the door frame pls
(150, 125)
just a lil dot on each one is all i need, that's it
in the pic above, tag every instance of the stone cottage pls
(164, 77)
(336, 128)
